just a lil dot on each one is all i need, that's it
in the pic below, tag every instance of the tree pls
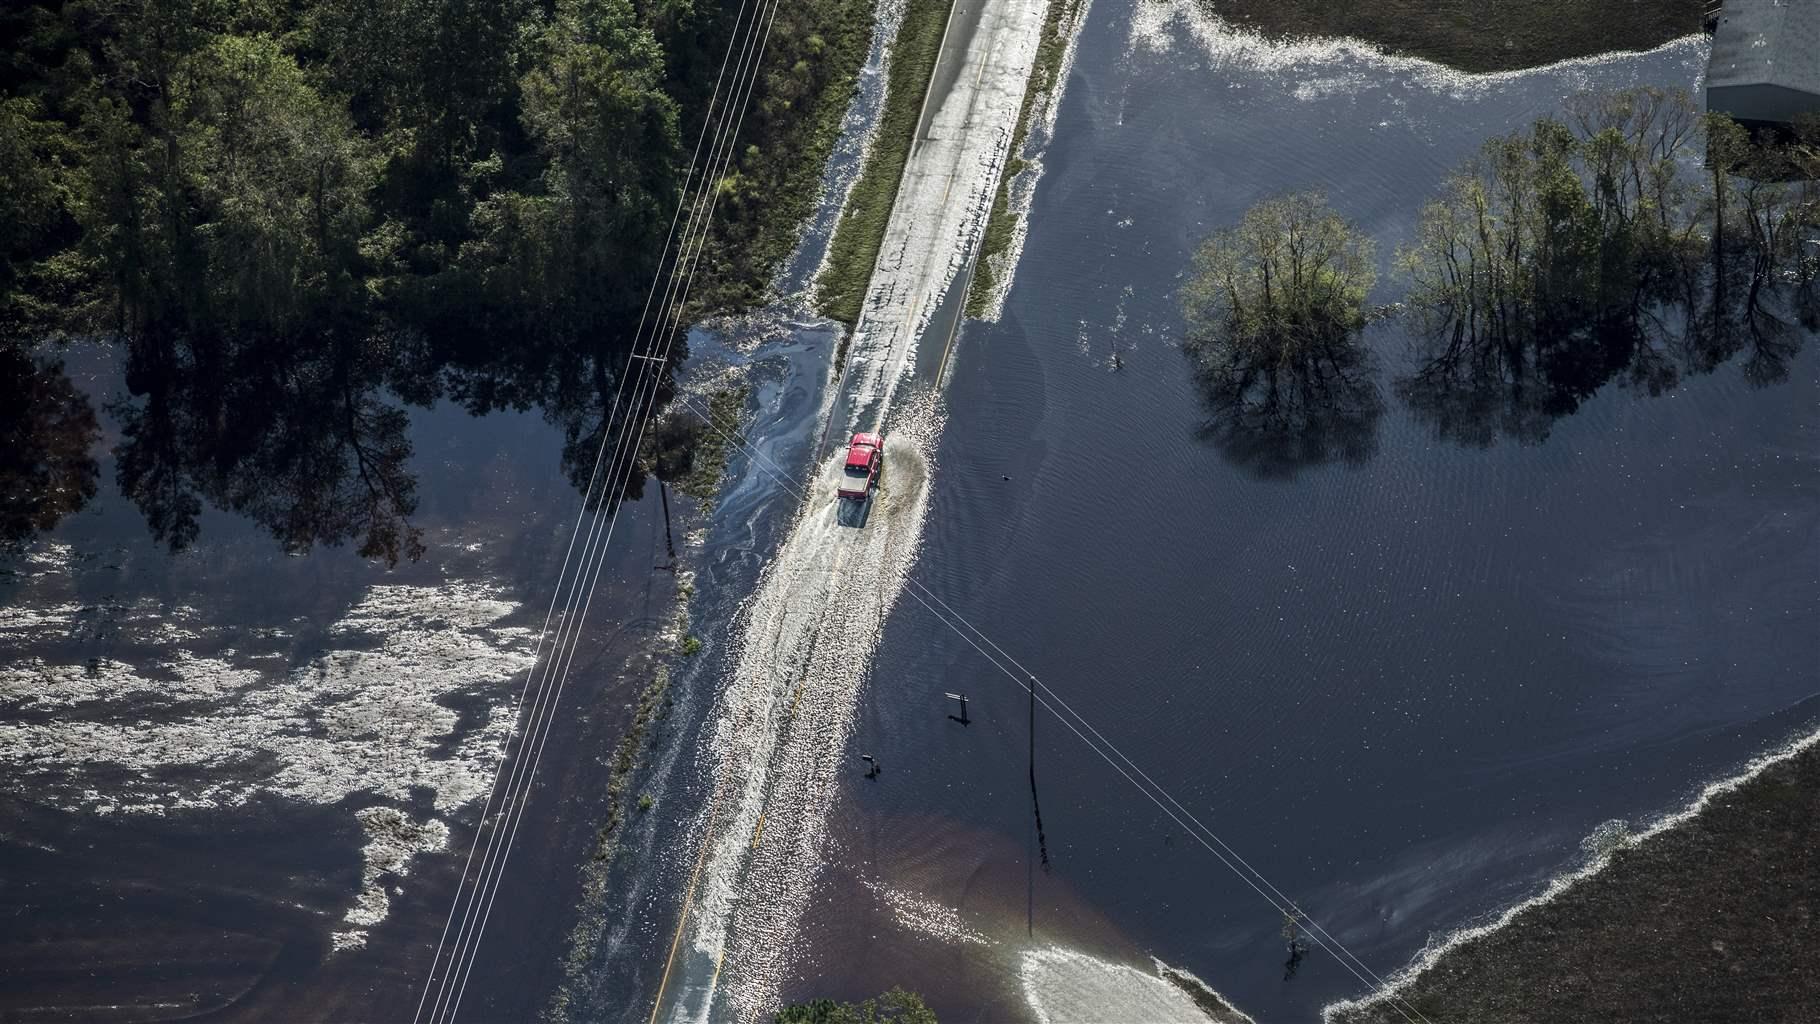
(1274, 306)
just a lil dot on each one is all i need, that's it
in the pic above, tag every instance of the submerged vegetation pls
(894, 1007)
(653, 704)
(1472, 35)
(841, 288)
(688, 451)
(1274, 306)
(295, 221)
(1560, 259)
(1581, 252)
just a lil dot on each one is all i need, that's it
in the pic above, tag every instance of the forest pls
(296, 219)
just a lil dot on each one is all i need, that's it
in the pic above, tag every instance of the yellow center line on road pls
(717, 962)
(759, 831)
(688, 899)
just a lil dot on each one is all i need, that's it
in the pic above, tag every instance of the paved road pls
(809, 633)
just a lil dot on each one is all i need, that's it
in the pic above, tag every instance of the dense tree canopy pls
(894, 1007)
(296, 217)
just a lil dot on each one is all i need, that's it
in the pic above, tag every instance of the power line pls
(1030, 682)
(677, 298)
(590, 550)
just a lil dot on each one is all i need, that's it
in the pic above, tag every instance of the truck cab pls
(865, 457)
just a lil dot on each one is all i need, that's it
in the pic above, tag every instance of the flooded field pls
(1403, 678)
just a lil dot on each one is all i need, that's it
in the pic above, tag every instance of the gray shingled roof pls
(1767, 42)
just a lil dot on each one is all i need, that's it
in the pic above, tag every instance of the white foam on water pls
(368, 716)
(1160, 27)
(1064, 986)
(393, 839)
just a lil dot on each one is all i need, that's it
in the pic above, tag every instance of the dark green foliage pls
(861, 231)
(894, 1007)
(689, 452)
(46, 430)
(812, 66)
(297, 218)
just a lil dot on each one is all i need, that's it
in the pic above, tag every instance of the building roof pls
(1767, 42)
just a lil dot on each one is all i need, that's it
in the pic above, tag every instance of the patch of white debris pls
(393, 839)
(1065, 985)
(370, 716)
(1321, 65)
(365, 719)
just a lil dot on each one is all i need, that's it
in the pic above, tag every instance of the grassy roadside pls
(812, 61)
(1058, 27)
(861, 232)
(1473, 35)
(1711, 920)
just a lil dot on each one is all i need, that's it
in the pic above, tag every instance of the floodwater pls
(1403, 684)
(238, 780)
(1403, 680)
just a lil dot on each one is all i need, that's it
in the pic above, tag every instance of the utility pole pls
(962, 718)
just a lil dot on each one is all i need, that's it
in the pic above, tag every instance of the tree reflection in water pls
(1276, 418)
(47, 435)
(1580, 253)
(312, 440)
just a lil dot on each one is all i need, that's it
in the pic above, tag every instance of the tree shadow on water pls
(47, 435)
(1275, 417)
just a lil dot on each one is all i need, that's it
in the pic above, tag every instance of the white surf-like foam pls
(1064, 986)
(367, 717)
(1158, 27)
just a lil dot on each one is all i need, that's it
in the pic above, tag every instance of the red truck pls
(865, 456)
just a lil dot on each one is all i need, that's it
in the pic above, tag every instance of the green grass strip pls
(1058, 26)
(860, 234)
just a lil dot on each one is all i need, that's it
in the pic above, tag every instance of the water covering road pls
(807, 635)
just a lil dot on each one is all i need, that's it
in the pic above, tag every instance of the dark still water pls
(239, 783)
(1404, 686)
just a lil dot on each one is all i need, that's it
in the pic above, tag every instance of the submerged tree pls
(1274, 307)
(1579, 252)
